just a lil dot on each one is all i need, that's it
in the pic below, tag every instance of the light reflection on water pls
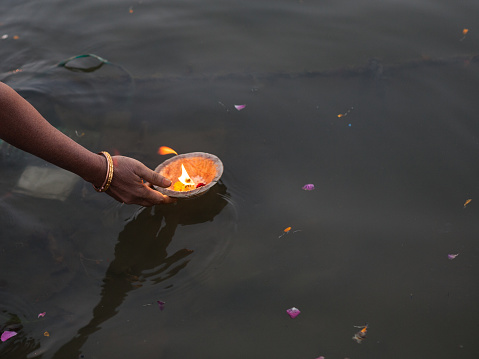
(390, 181)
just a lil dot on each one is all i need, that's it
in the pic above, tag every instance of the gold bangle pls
(109, 173)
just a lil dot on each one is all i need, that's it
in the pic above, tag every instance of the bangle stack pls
(109, 174)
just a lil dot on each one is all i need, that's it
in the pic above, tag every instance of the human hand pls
(131, 183)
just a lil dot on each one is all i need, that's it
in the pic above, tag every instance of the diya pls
(191, 174)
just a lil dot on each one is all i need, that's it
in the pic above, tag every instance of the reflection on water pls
(141, 255)
(144, 256)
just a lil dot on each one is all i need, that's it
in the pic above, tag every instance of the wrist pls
(97, 171)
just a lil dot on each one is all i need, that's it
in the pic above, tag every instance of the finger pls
(153, 177)
(148, 198)
(155, 197)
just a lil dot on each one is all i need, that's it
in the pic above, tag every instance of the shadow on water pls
(141, 255)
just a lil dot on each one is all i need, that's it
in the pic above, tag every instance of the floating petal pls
(308, 187)
(361, 335)
(161, 304)
(293, 312)
(240, 107)
(41, 315)
(7, 335)
(452, 256)
(163, 150)
(464, 32)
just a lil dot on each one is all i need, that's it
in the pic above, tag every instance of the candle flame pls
(163, 150)
(185, 178)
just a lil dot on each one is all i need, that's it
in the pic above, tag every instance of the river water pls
(373, 102)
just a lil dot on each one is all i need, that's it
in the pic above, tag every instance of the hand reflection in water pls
(142, 247)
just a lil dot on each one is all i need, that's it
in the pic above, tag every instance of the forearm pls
(25, 128)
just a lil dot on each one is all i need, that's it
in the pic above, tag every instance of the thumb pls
(153, 177)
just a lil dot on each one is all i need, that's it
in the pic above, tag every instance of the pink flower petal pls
(452, 256)
(41, 315)
(161, 304)
(293, 312)
(7, 335)
(240, 107)
(308, 187)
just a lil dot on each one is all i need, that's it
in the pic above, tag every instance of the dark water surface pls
(368, 245)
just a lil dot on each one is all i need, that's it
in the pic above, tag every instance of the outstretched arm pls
(24, 127)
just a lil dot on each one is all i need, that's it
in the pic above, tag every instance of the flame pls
(163, 150)
(185, 178)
